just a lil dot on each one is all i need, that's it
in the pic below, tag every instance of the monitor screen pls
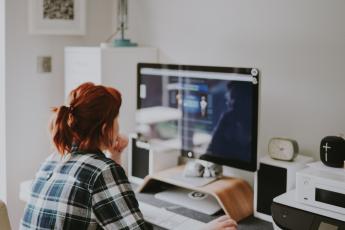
(205, 112)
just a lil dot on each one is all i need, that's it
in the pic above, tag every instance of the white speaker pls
(144, 159)
(273, 178)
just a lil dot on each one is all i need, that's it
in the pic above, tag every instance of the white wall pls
(298, 45)
(29, 95)
(2, 103)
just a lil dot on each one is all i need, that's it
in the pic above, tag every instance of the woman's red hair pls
(88, 121)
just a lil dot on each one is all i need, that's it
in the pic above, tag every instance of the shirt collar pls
(75, 150)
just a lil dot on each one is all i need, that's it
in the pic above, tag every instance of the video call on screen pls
(213, 116)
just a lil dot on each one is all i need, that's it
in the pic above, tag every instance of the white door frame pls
(3, 180)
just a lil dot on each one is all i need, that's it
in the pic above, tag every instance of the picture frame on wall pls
(57, 17)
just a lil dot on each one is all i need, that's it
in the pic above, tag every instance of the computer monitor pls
(205, 112)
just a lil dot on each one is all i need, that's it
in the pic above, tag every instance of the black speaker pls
(144, 159)
(271, 183)
(332, 151)
(138, 159)
(273, 178)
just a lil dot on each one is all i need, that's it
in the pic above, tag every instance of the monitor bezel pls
(252, 164)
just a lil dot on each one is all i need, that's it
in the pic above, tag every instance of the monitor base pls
(234, 195)
(195, 200)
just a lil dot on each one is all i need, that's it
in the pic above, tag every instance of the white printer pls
(322, 187)
(318, 203)
(288, 213)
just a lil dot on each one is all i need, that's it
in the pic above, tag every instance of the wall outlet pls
(44, 64)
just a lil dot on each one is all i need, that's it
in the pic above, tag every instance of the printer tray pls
(291, 218)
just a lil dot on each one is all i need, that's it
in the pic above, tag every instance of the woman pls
(79, 187)
(232, 135)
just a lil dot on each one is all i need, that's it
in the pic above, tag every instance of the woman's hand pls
(221, 223)
(115, 151)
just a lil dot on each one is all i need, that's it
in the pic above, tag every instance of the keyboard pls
(167, 219)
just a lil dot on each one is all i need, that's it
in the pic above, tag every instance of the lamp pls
(122, 24)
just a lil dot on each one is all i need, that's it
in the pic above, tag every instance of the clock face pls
(281, 148)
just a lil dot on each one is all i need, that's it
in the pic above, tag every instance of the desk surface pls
(250, 223)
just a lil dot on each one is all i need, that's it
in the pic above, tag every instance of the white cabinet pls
(116, 67)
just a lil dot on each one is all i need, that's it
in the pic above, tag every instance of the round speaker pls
(332, 151)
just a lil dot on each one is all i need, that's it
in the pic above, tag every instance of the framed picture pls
(57, 17)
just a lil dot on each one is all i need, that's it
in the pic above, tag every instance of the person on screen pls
(232, 135)
(179, 100)
(203, 106)
(78, 186)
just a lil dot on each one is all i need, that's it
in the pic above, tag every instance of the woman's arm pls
(113, 201)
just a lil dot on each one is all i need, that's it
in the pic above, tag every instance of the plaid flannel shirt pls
(82, 191)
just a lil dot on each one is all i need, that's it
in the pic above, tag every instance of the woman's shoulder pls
(106, 165)
(101, 164)
(89, 163)
(98, 159)
(108, 171)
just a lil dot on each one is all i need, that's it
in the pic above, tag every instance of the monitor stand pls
(195, 200)
(193, 181)
(234, 195)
